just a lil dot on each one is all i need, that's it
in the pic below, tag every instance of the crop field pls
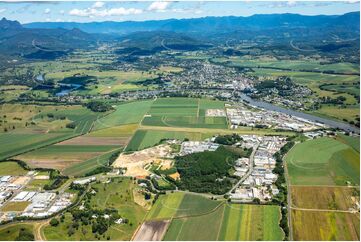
(323, 161)
(128, 113)
(181, 204)
(203, 227)
(122, 131)
(79, 169)
(63, 156)
(118, 195)
(146, 138)
(314, 225)
(354, 142)
(321, 197)
(184, 112)
(228, 222)
(293, 65)
(11, 168)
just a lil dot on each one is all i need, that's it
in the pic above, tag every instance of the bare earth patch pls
(21, 180)
(135, 162)
(152, 231)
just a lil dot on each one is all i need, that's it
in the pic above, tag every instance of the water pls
(66, 89)
(331, 123)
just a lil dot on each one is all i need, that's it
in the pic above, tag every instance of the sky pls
(88, 11)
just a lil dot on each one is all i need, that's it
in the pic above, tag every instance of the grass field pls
(117, 194)
(10, 232)
(181, 204)
(313, 225)
(15, 206)
(128, 113)
(323, 161)
(11, 169)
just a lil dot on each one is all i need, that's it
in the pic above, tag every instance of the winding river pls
(329, 122)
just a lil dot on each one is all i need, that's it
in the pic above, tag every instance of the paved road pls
(251, 161)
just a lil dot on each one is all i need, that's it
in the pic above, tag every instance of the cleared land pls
(313, 225)
(323, 161)
(152, 231)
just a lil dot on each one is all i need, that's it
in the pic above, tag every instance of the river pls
(329, 122)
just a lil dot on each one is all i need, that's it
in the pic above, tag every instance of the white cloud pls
(62, 12)
(2, 10)
(47, 11)
(291, 3)
(98, 5)
(159, 6)
(92, 12)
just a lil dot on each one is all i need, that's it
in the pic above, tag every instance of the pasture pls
(11, 231)
(323, 161)
(314, 225)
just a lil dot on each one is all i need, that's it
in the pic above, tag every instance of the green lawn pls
(323, 161)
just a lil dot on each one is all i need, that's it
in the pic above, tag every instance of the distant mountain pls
(208, 25)
(40, 43)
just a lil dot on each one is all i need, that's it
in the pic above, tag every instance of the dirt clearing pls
(152, 231)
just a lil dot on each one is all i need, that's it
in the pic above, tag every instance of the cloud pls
(98, 5)
(92, 12)
(2, 10)
(47, 11)
(62, 12)
(159, 6)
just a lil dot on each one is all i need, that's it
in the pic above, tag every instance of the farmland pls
(128, 113)
(323, 161)
(313, 225)
(63, 156)
(184, 112)
(11, 232)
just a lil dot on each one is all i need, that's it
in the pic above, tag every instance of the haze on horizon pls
(81, 11)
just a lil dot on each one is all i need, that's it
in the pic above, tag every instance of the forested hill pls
(349, 22)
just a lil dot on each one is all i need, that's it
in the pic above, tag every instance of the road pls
(251, 161)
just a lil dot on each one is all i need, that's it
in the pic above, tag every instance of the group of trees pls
(99, 106)
(207, 171)
(228, 139)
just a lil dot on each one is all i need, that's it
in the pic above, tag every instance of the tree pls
(25, 235)
(54, 222)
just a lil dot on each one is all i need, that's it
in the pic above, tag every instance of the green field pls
(181, 204)
(228, 222)
(147, 138)
(84, 167)
(117, 194)
(11, 232)
(11, 169)
(184, 112)
(128, 113)
(323, 161)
